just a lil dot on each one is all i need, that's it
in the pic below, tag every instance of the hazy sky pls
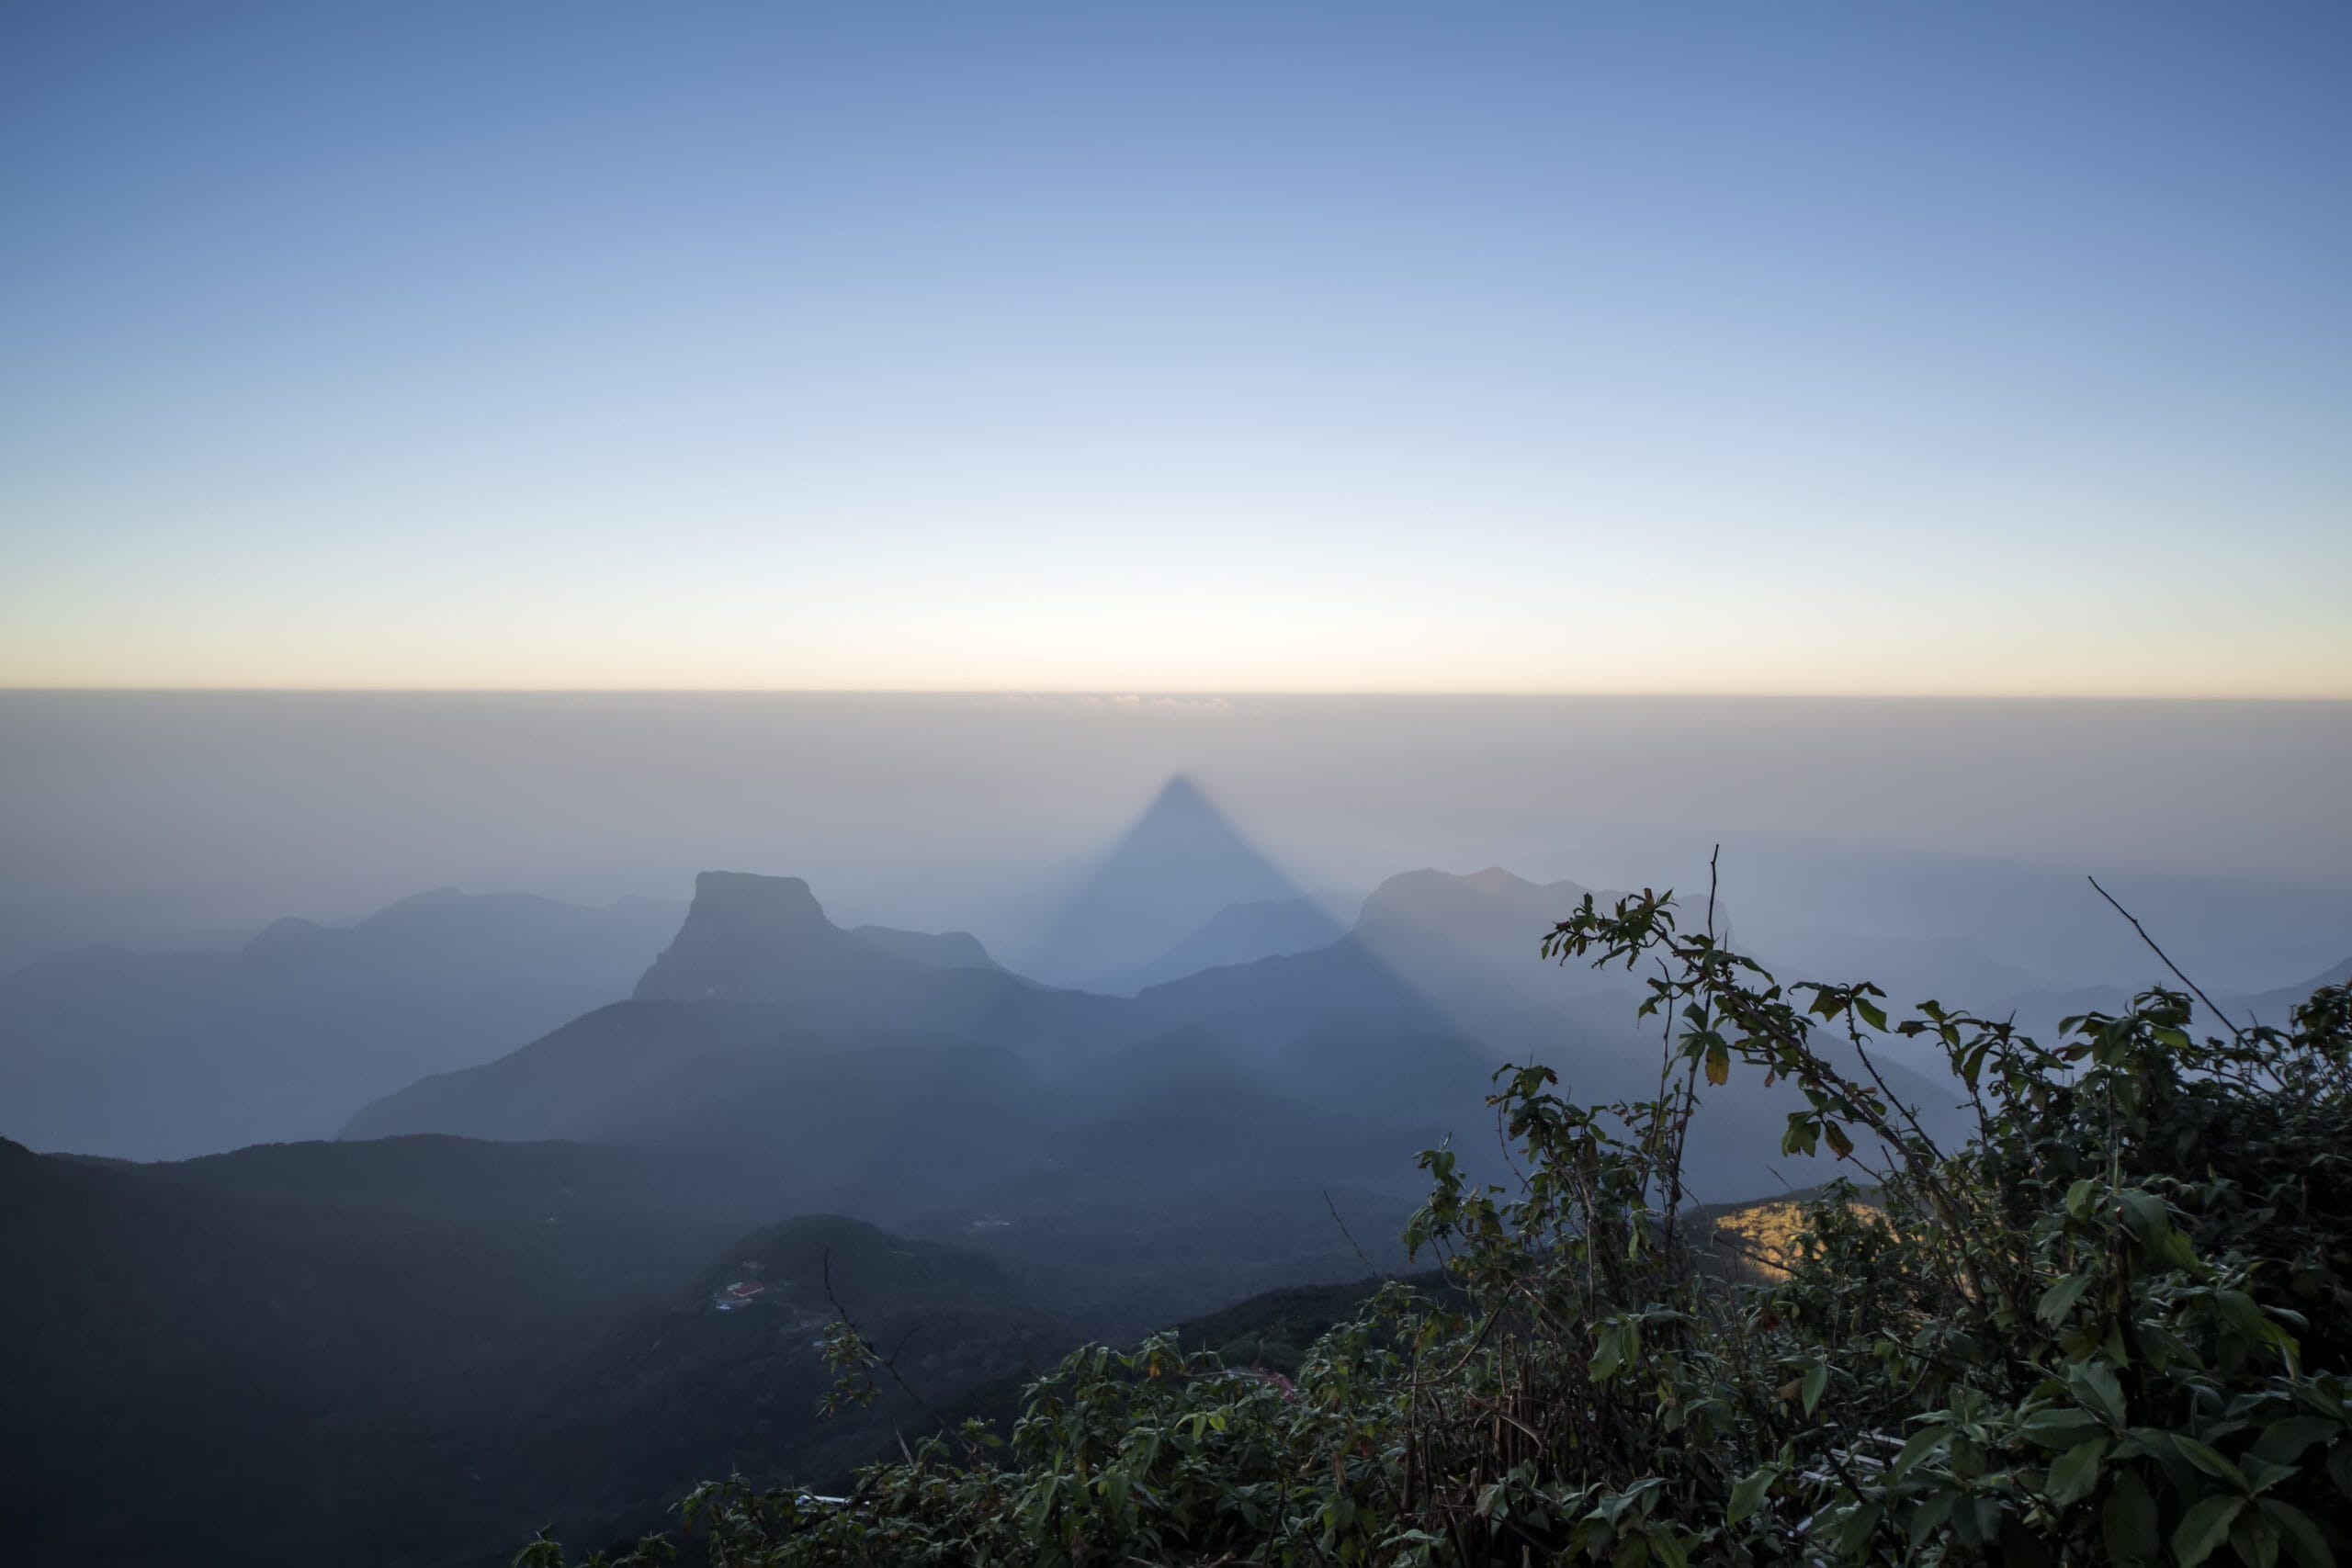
(1210, 348)
(164, 819)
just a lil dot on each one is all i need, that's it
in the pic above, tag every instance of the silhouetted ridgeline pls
(767, 1029)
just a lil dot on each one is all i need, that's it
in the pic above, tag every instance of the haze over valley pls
(1106, 1074)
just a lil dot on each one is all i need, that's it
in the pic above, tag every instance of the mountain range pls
(893, 1079)
(163, 1056)
(544, 1206)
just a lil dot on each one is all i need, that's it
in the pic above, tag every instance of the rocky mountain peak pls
(742, 933)
(745, 900)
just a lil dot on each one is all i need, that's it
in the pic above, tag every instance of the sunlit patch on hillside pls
(1766, 1236)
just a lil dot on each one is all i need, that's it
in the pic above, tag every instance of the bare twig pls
(1350, 1235)
(889, 1366)
(1712, 855)
(2239, 1034)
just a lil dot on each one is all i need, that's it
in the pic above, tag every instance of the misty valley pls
(399, 1240)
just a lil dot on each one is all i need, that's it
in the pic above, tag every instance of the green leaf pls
(1930, 1518)
(1872, 1011)
(1975, 1520)
(2075, 1473)
(2282, 1441)
(1748, 1494)
(2060, 1428)
(2262, 1475)
(2253, 1540)
(1859, 1528)
(2204, 1457)
(2158, 1444)
(2094, 1383)
(2204, 1528)
(2128, 1523)
(2145, 1216)
(1924, 1441)
(2249, 1320)
(1816, 1379)
(2060, 1299)
(1802, 1137)
(2304, 1541)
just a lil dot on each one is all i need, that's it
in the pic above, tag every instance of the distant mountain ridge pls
(759, 988)
(765, 1028)
(2038, 1012)
(286, 1037)
(289, 1036)
(1431, 951)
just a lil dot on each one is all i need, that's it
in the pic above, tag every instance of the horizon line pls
(1183, 693)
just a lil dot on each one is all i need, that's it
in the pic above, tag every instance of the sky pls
(1209, 348)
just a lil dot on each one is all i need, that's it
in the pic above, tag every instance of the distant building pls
(740, 1293)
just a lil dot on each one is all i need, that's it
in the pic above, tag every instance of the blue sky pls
(1733, 348)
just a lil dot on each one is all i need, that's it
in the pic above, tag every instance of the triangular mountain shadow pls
(1182, 862)
(1243, 933)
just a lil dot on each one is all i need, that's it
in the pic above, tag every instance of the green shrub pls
(2109, 1328)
